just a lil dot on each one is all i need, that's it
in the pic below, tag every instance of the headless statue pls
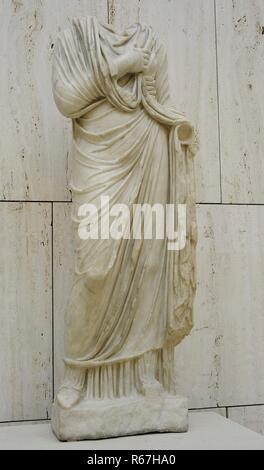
(132, 299)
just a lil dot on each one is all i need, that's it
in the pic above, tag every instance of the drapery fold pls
(129, 296)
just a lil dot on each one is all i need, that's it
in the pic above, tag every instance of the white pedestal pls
(120, 417)
(206, 431)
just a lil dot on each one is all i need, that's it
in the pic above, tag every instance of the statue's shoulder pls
(77, 23)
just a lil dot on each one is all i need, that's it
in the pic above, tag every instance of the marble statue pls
(132, 299)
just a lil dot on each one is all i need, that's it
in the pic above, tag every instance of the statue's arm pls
(157, 91)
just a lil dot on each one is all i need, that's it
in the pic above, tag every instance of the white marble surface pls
(225, 348)
(207, 431)
(128, 307)
(239, 34)
(26, 47)
(125, 416)
(26, 311)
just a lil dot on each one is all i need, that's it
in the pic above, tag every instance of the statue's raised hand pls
(135, 60)
(140, 58)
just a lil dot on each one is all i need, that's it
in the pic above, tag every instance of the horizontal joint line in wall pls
(42, 201)
(226, 406)
(230, 203)
(42, 420)
(28, 200)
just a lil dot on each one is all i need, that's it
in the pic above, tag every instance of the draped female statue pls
(132, 298)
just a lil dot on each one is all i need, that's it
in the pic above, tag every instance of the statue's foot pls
(68, 397)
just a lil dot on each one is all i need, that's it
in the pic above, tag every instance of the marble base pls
(120, 417)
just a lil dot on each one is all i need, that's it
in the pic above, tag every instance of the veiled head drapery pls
(129, 296)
